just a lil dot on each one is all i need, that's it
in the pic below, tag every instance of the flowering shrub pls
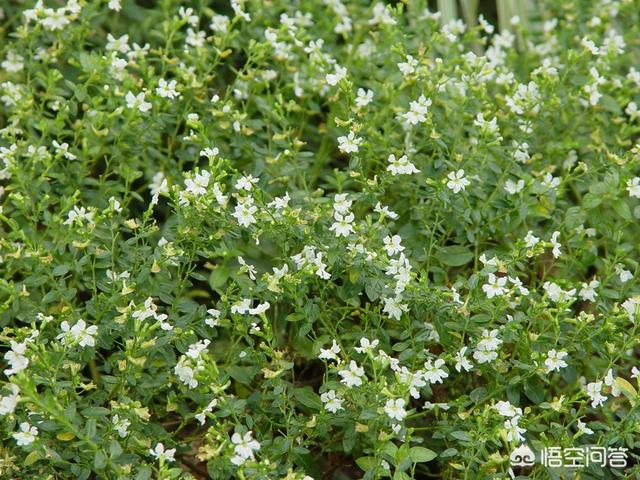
(316, 239)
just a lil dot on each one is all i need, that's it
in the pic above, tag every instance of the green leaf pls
(100, 460)
(454, 255)
(32, 458)
(65, 436)
(421, 454)
(463, 436)
(534, 391)
(575, 216)
(591, 200)
(60, 270)
(609, 103)
(622, 208)
(218, 277)
(367, 464)
(308, 398)
(627, 389)
(242, 374)
(95, 412)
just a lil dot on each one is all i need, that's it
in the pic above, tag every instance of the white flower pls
(54, 19)
(137, 101)
(339, 74)
(167, 89)
(489, 340)
(308, 256)
(555, 360)
(632, 111)
(610, 381)
(366, 345)
(244, 212)
(219, 23)
(409, 66)
(487, 126)
(631, 307)
(185, 372)
(148, 309)
(332, 401)
(246, 267)
(350, 143)
(352, 376)
(514, 431)
(557, 294)
(525, 99)
(395, 409)
(519, 285)
(161, 454)
(414, 380)
(582, 427)
(79, 333)
(393, 307)
(260, 308)
(594, 390)
(198, 184)
(588, 291)
(342, 226)
(633, 187)
(244, 306)
(203, 414)
(13, 63)
(280, 203)
(246, 183)
(512, 187)
(244, 447)
(381, 15)
(590, 45)
(625, 275)
(195, 38)
(121, 425)
(213, 319)
(364, 97)
(209, 152)
(495, 286)
(120, 44)
(384, 210)
(114, 5)
(392, 245)
(341, 203)
(461, 361)
(505, 409)
(531, 240)
(78, 215)
(486, 347)
(417, 111)
(457, 181)
(64, 149)
(432, 371)
(8, 404)
(26, 435)
(158, 186)
(556, 245)
(331, 353)
(401, 166)
(16, 358)
(550, 182)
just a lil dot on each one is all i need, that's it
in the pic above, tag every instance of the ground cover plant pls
(318, 239)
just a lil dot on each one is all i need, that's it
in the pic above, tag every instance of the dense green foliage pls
(316, 239)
